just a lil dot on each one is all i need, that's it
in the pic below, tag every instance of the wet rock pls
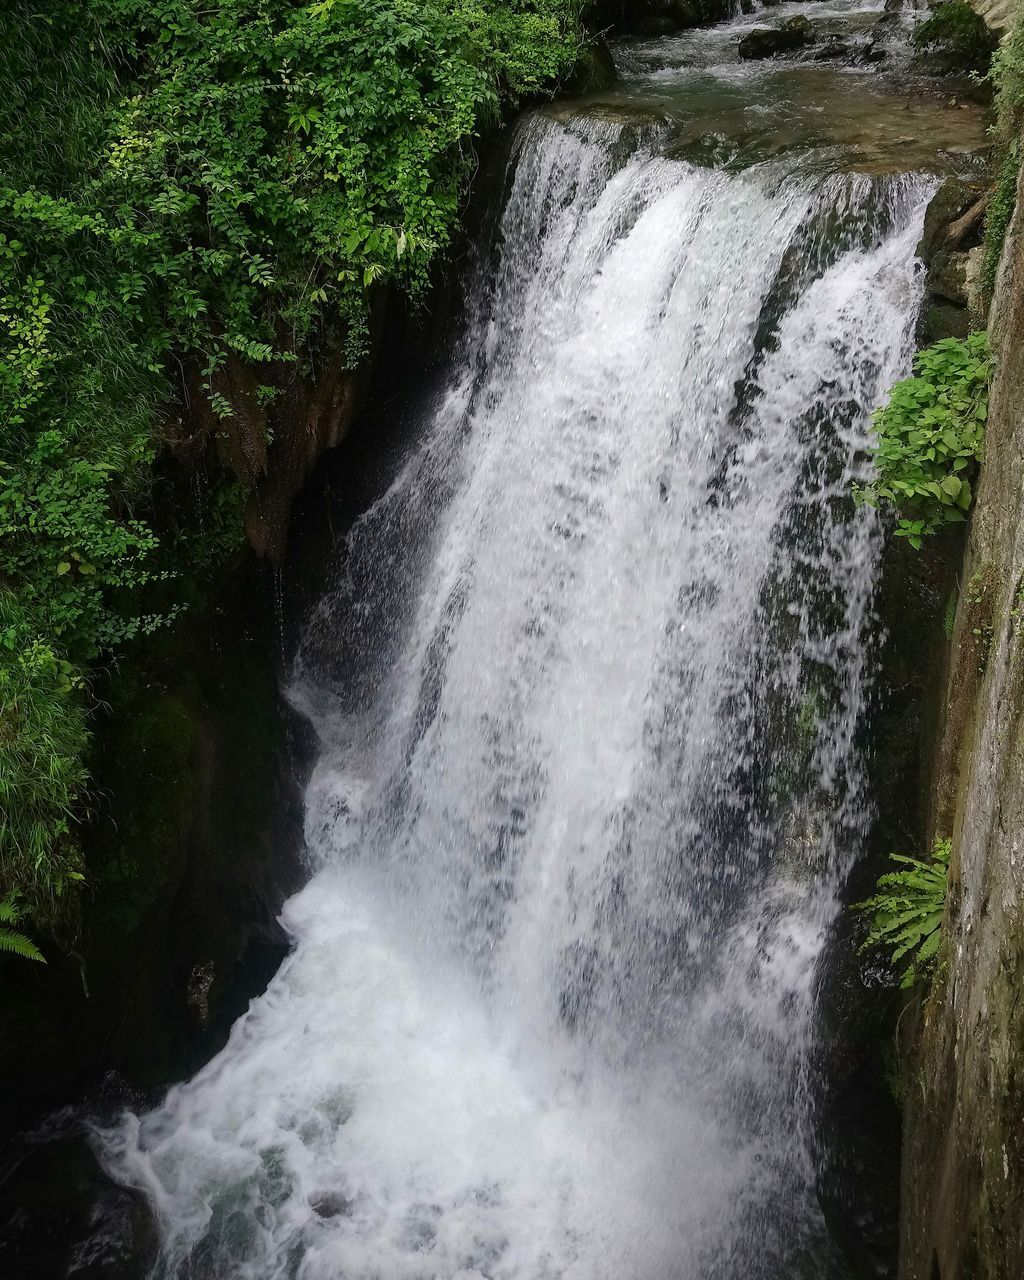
(872, 52)
(747, 6)
(766, 42)
(833, 51)
(62, 1217)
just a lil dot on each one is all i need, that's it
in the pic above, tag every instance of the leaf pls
(17, 944)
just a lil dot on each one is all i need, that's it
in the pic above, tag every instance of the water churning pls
(588, 695)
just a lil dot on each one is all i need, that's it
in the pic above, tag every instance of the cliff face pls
(996, 14)
(963, 1183)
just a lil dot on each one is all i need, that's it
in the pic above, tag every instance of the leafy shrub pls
(930, 436)
(907, 911)
(184, 186)
(956, 31)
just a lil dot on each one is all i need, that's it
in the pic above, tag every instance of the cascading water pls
(587, 696)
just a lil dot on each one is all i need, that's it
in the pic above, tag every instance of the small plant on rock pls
(930, 438)
(907, 910)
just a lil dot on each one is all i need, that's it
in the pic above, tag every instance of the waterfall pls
(588, 690)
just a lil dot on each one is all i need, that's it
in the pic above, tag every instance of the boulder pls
(766, 42)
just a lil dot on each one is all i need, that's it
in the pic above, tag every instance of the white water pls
(588, 781)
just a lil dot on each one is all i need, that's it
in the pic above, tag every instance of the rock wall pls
(193, 844)
(963, 1180)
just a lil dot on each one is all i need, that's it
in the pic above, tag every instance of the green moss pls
(1007, 79)
(998, 215)
(149, 747)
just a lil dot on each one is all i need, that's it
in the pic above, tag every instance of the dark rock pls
(942, 320)
(330, 1204)
(766, 42)
(663, 17)
(61, 1216)
(834, 50)
(655, 17)
(872, 52)
(656, 24)
(594, 69)
(747, 6)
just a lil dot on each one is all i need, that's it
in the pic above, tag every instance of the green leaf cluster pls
(907, 911)
(11, 941)
(929, 438)
(183, 186)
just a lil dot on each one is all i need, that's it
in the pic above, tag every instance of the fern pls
(907, 911)
(11, 941)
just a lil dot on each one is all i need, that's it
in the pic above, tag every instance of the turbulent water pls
(588, 695)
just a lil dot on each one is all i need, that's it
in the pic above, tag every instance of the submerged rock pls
(766, 42)
(330, 1204)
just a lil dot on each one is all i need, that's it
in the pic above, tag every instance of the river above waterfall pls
(874, 117)
(589, 681)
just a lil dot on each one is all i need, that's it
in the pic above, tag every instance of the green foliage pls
(907, 911)
(184, 189)
(11, 941)
(43, 738)
(930, 436)
(955, 30)
(1007, 78)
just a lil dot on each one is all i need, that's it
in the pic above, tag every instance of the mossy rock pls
(594, 69)
(192, 846)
